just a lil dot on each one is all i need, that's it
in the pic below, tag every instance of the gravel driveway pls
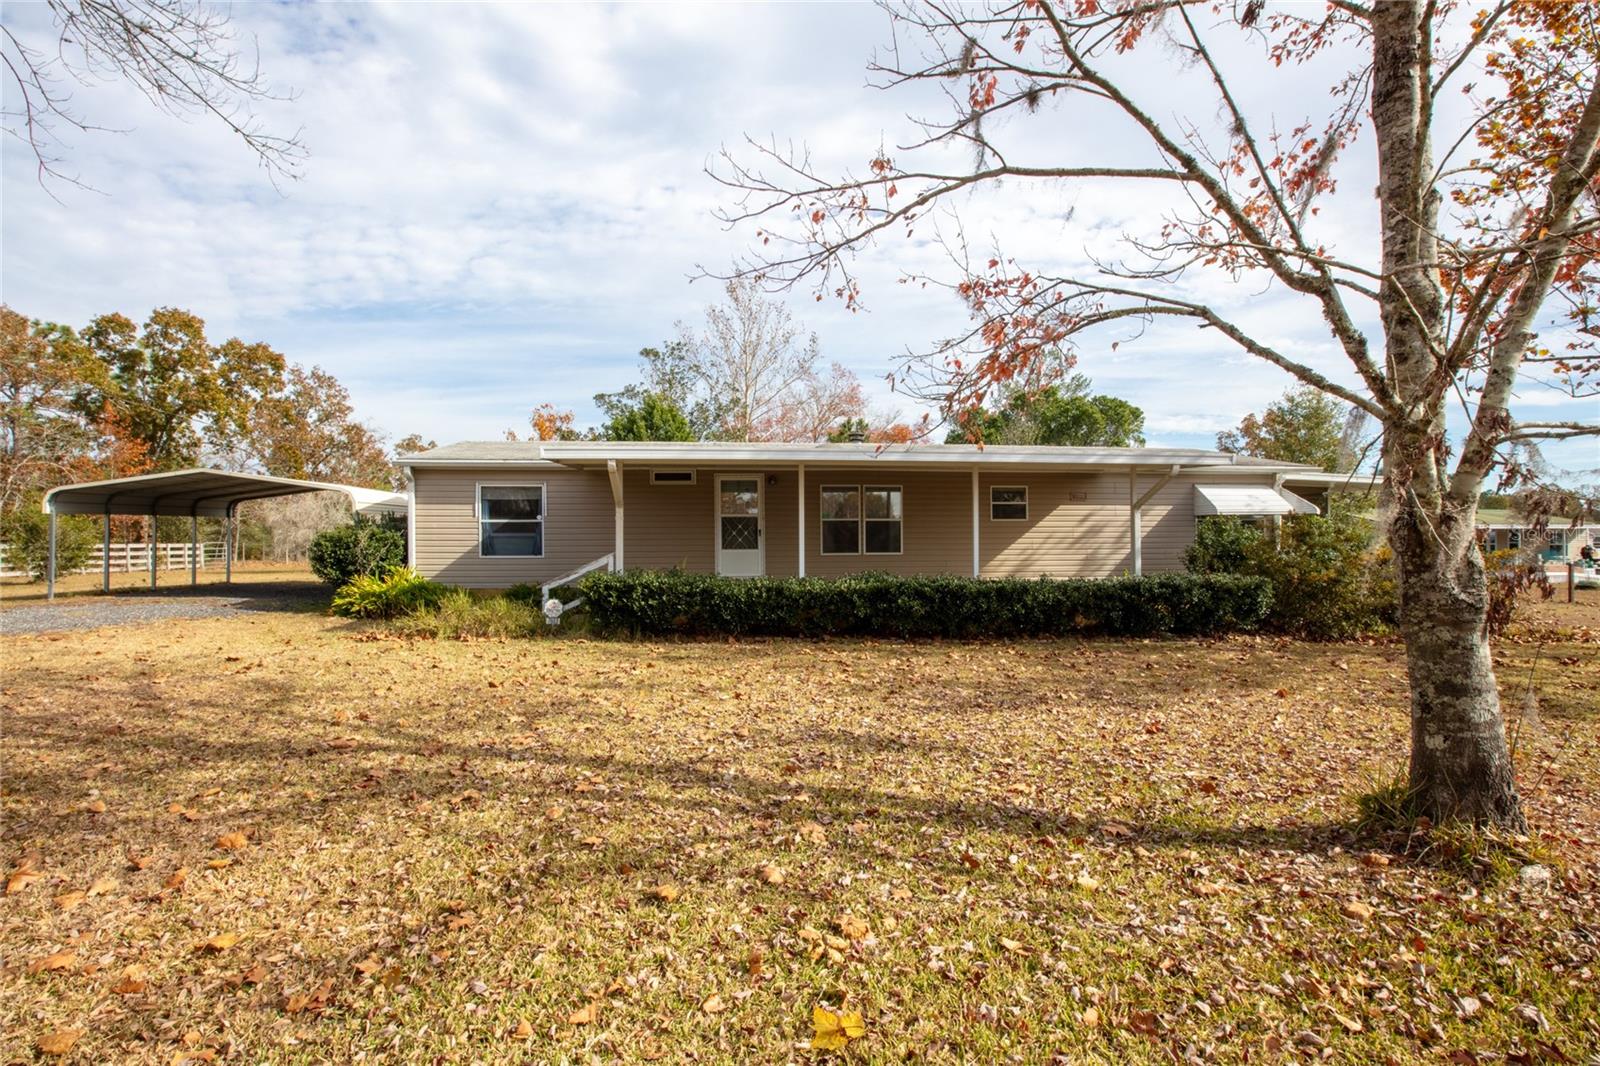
(143, 608)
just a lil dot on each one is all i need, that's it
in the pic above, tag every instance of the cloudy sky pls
(502, 204)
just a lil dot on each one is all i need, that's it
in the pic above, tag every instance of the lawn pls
(20, 591)
(286, 838)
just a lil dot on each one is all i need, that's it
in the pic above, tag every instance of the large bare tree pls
(1486, 209)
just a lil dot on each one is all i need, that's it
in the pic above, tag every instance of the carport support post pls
(194, 546)
(105, 554)
(227, 546)
(50, 561)
(152, 547)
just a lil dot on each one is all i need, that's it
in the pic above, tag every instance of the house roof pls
(201, 493)
(597, 453)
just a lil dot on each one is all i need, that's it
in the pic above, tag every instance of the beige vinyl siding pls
(578, 524)
(1077, 525)
(936, 537)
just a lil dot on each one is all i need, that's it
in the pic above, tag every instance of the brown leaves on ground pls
(59, 1042)
(1088, 851)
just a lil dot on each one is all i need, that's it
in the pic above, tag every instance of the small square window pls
(1008, 503)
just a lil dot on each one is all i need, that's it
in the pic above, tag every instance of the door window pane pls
(740, 534)
(741, 497)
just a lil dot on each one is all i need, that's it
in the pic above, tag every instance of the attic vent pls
(672, 477)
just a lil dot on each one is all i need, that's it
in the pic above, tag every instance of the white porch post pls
(105, 553)
(977, 561)
(614, 472)
(194, 547)
(50, 560)
(411, 517)
(1136, 510)
(801, 511)
(1134, 522)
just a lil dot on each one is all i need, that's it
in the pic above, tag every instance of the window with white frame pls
(882, 518)
(1008, 503)
(511, 520)
(841, 520)
(862, 519)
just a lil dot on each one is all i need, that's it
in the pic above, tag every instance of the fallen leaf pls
(232, 841)
(60, 960)
(218, 864)
(95, 806)
(1087, 882)
(133, 981)
(813, 832)
(368, 966)
(665, 892)
(853, 927)
(713, 1004)
(104, 885)
(1351, 1024)
(179, 876)
(68, 900)
(771, 874)
(220, 942)
(1016, 947)
(584, 1015)
(21, 880)
(1091, 1017)
(254, 975)
(59, 1042)
(753, 961)
(1354, 908)
(835, 1029)
(523, 1031)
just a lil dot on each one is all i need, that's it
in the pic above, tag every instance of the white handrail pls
(567, 579)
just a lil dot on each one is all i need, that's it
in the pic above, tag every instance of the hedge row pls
(653, 602)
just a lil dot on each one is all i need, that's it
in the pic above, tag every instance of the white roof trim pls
(1248, 500)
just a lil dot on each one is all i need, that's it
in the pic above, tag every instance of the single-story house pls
(1560, 542)
(496, 513)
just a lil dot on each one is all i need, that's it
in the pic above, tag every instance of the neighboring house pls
(1560, 542)
(493, 514)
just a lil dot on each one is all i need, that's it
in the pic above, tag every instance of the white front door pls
(739, 521)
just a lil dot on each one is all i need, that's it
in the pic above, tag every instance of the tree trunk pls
(1460, 764)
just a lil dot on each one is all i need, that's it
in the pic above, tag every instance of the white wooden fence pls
(129, 557)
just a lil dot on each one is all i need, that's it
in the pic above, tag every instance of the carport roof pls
(202, 493)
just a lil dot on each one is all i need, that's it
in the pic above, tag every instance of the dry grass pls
(1106, 852)
(82, 588)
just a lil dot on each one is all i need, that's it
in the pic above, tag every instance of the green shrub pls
(460, 615)
(399, 592)
(363, 548)
(1328, 581)
(524, 593)
(26, 534)
(658, 602)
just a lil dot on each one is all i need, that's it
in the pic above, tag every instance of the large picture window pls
(511, 520)
(859, 520)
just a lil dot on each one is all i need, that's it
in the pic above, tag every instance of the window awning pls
(1248, 500)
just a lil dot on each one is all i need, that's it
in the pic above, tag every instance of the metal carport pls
(194, 494)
